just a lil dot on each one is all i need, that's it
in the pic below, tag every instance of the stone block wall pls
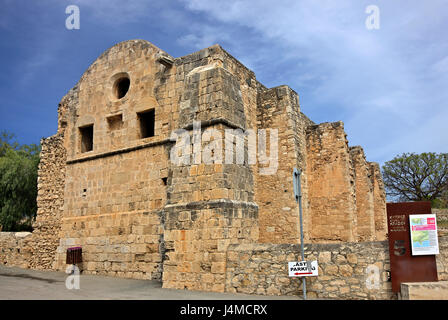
(424, 291)
(211, 92)
(379, 202)
(346, 270)
(209, 178)
(50, 202)
(442, 258)
(196, 239)
(442, 214)
(138, 215)
(209, 205)
(278, 210)
(114, 193)
(331, 184)
(279, 215)
(122, 244)
(15, 249)
(125, 182)
(364, 196)
(442, 218)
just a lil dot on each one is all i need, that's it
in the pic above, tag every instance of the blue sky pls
(389, 86)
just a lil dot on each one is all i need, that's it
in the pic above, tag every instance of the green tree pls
(18, 183)
(6, 143)
(417, 177)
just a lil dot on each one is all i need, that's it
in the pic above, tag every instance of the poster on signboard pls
(303, 269)
(424, 239)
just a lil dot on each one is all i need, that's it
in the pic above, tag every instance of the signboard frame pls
(428, 225)
(405, 267)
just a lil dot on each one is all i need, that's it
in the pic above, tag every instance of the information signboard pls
(406, 267)
(423, 228)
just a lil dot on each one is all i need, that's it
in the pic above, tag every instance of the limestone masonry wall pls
(15, 249)
(442, 218)
(196, 240)
(379, 201)
(279, 109)
(364, 196)
(50, 201)
(125, 244)
(343, 270)
(331, 172)
(442, 258)
(137, 175)
(346, 271)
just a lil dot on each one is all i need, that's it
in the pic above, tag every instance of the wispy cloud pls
(200, 37)
(386, 85)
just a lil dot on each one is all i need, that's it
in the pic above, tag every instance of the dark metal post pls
(298, 195)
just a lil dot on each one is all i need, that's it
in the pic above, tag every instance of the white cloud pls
(202, 37)
(388, 83)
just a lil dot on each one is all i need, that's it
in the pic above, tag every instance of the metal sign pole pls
(298, 195)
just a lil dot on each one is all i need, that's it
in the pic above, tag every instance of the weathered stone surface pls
(442, 216)
(331, 183)
(424, 290)
(379, 202)
(364, 195)
(15, 248)
(354, 280)
(107, 182)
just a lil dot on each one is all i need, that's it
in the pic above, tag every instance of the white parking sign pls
(303, 269)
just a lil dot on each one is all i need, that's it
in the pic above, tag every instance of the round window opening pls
(121, 87)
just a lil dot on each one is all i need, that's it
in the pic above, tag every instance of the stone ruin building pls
(106, 181)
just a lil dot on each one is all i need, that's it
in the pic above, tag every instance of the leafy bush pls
(18, 184)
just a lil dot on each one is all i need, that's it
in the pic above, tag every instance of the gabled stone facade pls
(108, 181)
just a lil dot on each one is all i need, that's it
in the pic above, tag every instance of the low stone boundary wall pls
(346, 271)
(442, 259)
(442, 214)
(424, 290)
(14, 249)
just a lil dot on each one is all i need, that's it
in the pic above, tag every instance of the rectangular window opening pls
(86, 138)
(147, 121)
(115, 122)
